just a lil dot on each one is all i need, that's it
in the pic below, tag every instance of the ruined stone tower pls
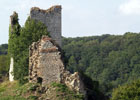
(45, 59)
(46, 66)
(45, 62)
(51, 18)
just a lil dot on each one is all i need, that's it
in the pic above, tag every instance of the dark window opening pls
(39, 80)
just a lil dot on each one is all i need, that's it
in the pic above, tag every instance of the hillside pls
(31, 91)
(111, 60)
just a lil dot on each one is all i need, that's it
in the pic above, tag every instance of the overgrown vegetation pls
(20, 38)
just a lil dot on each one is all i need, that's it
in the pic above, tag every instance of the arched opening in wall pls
(39, 80)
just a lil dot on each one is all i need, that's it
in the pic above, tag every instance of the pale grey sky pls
(79, 17)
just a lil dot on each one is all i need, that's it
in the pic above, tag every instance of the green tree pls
(19, 42)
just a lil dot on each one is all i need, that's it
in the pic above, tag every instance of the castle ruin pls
(46, 66)
(45, 62)
(45, 58)
(51, 18)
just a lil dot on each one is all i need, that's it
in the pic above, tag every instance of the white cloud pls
(130, 7)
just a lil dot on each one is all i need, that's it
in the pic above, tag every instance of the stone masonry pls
(51, 18)
(45, 61)
(46, 66)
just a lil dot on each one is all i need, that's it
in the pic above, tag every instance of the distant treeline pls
(4, 61)
(3, 49)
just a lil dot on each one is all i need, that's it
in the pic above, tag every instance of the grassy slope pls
(8, 91)
(55, 91)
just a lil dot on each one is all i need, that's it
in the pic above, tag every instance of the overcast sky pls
(79, 17)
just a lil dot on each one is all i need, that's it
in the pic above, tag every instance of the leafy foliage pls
(127, 92)
(19, 42)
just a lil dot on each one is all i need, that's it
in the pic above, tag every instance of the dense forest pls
(113, 61)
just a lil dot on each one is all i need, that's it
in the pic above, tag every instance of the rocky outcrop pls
(46, 66)
(74, 82)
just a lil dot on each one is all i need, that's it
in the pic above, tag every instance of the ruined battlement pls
(51, 9)
(51, 18)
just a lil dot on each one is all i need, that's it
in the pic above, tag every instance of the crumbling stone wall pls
(45, 61)
(46, 65)
(12, 20)
(51, 18)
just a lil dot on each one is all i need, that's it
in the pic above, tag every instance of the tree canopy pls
(110, 59)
